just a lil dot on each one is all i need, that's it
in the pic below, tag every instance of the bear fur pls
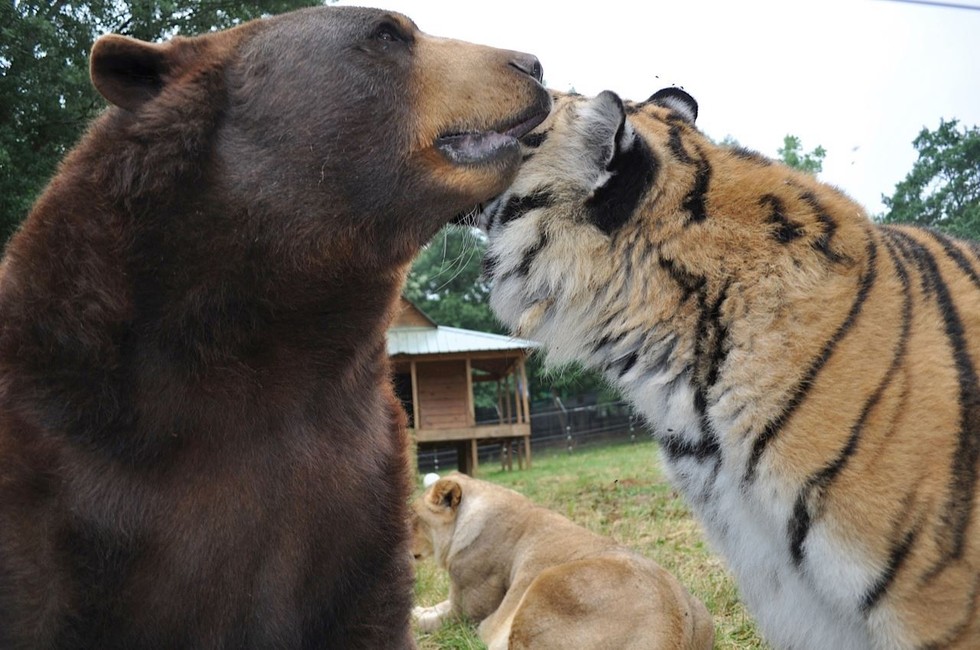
(199, 443)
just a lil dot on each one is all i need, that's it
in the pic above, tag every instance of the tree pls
(446, 281)
(943, 188)
(46, 99)
(793, 155)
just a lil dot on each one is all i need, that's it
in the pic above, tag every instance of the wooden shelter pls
(436, 368)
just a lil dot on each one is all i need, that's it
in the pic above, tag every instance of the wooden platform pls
(466, 439)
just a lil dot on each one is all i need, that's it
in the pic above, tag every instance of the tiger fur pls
(810, 376)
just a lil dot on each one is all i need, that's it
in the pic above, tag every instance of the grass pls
(619, 491)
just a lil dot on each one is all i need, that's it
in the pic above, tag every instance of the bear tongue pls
(475, 148)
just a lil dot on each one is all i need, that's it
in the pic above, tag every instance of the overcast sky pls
(859, 77)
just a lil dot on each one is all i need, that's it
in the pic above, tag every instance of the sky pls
(861, 78)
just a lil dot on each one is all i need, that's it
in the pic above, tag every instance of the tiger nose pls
(529, 65)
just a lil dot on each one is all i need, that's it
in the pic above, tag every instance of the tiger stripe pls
(960, 502)
(819, 483)
(695, 203)
(689, 283)
(828, 228)
(534, 251)
(705, 448)
(786, 230)
(677, 146)
(519, 206)
(799, 393)
(896, 558)
(956, 256)
(710, 335)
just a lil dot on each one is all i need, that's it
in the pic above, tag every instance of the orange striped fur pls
(811, 376)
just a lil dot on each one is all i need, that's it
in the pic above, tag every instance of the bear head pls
(338, 131)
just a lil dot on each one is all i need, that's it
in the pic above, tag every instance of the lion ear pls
(129, 72)
(446, 493)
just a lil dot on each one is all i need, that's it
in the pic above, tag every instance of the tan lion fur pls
(533, 579)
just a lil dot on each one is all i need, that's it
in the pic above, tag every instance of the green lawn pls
(621, 492)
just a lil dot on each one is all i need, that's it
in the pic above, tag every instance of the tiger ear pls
(627, 169)
(678, 101)
(607, 129)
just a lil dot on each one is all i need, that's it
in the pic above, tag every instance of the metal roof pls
(447, 340)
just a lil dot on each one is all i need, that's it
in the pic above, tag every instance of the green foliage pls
(446, 281)
(730, 141)
(567, 381)
(943, 188)
(46, 99)
(793, 155)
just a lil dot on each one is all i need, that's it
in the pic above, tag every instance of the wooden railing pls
(466, 440)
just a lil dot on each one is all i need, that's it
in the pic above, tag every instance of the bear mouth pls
(481, 147)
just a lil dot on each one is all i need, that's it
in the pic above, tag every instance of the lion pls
(531, 578)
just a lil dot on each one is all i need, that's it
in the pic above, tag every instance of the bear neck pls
(170, 284)
(102, 288)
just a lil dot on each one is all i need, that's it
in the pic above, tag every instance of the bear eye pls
(389, 32)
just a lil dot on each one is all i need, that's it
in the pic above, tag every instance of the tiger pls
(810, 375)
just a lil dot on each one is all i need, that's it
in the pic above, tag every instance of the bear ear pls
(128, 72)
(446, 493)
(678, 101)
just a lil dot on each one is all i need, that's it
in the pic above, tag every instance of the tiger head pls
(620, 205)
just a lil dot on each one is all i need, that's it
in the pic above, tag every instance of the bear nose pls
(529, 65)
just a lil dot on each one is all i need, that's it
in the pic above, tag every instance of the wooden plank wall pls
(442, 395)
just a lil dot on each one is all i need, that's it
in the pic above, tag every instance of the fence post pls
(632, 430)
(568, 437)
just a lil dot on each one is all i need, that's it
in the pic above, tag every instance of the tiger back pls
(810, 376)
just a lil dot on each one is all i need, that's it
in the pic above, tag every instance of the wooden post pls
(525, 392)
(470, 402)
(527, 410)
(500, 403)
(474, 457)
(416, 424)
(518, 411)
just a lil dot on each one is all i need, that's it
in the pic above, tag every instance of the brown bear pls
(199, 443)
